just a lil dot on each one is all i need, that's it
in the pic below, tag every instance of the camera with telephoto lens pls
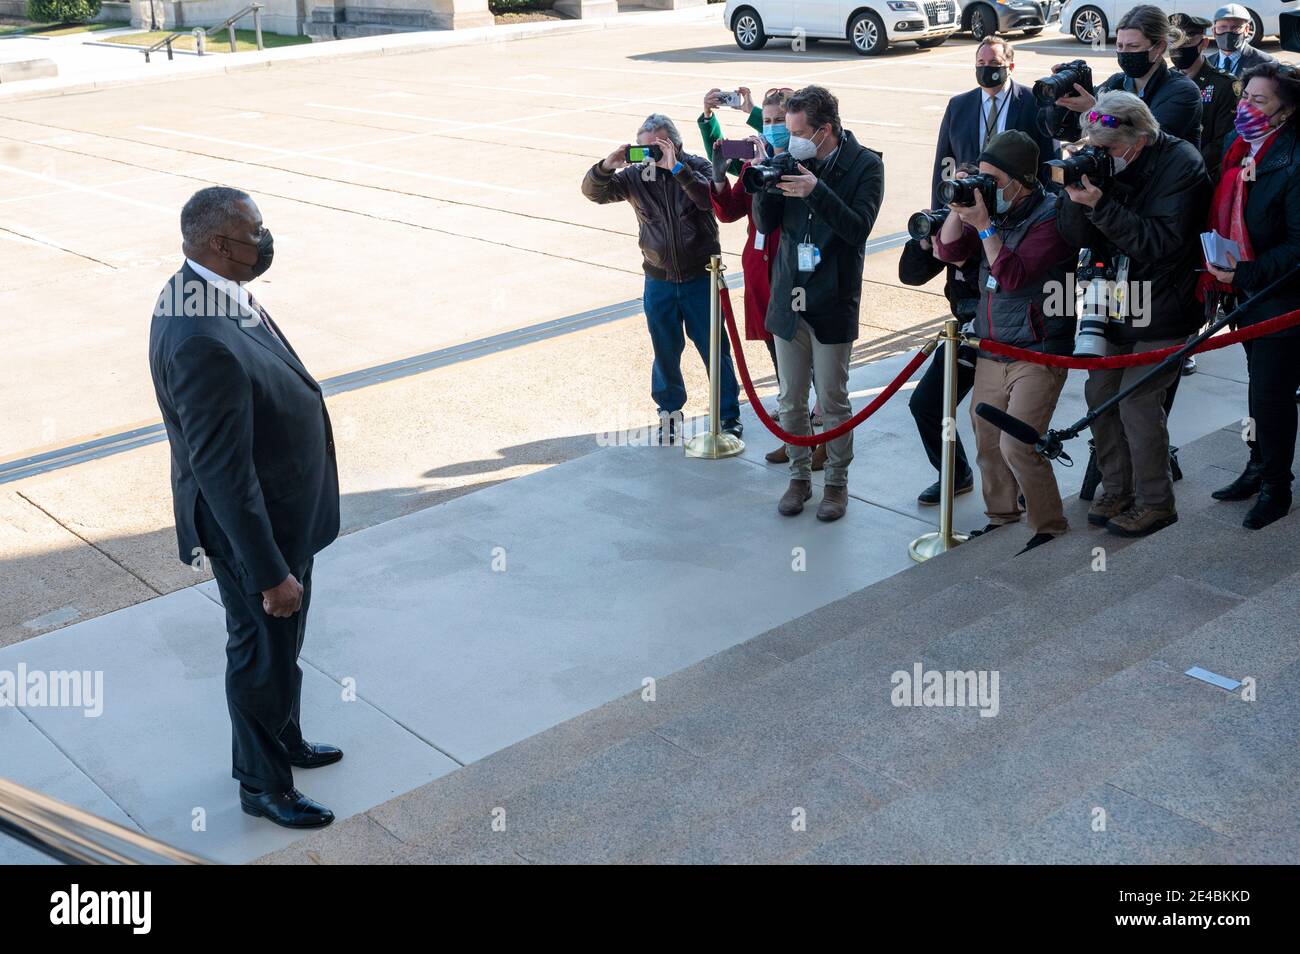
(1061, 83)
(1091, 161)
(764, 176)
(921, 225)
(1102, 278)
(962, 191)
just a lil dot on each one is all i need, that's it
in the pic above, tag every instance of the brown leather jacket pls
(678, 232)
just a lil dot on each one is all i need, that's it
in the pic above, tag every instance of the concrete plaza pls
(477, 324)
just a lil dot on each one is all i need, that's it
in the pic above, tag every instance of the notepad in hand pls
(1217, 249)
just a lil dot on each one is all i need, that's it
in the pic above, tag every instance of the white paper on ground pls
(1213, 678)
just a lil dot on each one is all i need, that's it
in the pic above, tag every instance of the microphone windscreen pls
(1006, 423)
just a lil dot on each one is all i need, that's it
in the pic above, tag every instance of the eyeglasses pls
(1105, 119)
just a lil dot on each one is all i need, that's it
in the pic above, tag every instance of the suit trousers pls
(263, 680)
(1133, 439)
(1274, 366)
(827, 365)
(1009, 467)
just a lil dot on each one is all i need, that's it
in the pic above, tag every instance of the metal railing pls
(77, 837)
(200, 35)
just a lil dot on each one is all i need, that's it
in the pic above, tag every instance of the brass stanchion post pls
(715, 444)
(932, 544)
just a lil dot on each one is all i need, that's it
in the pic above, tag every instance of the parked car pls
(1083, 18)
(987, 17)
(869, 25)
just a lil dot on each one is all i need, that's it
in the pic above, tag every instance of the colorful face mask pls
(777, 136)
(1251, 122)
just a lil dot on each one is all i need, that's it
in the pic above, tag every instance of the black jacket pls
(916, 266)
(676, 228)
(1154, 212)
(959, 133)
(1273, 223)
(254, 477)
(837, 217)
(1219, 95)
(1173, 99)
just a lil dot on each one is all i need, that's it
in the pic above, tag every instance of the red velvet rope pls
(1280, 323)
(807, 440)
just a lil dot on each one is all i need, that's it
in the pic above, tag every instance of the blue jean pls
(670, 308)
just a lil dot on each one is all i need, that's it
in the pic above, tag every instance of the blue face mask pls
(777, 136)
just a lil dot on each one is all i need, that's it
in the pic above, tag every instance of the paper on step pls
(1213, 678)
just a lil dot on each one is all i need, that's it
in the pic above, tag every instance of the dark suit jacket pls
(1247, 57)
(254, 477)
(959, 133)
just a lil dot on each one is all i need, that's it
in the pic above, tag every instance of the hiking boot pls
(835, 500)
(1107, 506)
(778, 456)
(1138, 521)
(792, 500)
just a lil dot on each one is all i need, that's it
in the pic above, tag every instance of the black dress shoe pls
(291, 809)
(929, 497)
(314, 755)
(1037, 540)
(1274, 503)
(1245, 486)
(988, 528)
(733, 427)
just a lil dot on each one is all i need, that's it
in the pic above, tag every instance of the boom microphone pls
(1005, 422)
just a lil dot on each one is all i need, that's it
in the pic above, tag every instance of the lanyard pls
(807, 230)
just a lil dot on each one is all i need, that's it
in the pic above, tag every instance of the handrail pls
(200, 34)
(73, 836)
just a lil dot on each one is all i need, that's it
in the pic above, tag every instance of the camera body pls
(921, 225)
(962, 191)
(1091, 161)
(764, 176)
(1061, 83)
(1103, 276)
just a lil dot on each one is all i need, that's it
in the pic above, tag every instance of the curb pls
(330, 51)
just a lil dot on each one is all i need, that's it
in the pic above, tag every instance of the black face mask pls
(1135, 64)
(990, 76)
(1229, 42)
(1185, 56)
(265, 251)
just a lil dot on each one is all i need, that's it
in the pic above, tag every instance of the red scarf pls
(1228, 210)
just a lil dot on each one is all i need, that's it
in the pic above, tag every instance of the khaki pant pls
(1008, 467)
(1133, 439)
(828, 367)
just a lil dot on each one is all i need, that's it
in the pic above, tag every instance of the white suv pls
(870, 25)
(1085, 19)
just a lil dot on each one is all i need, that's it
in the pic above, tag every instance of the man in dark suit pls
(254, 485)
(1235, 54)
(998, 103)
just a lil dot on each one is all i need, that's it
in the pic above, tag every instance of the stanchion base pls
(931, 544)
(714, 446)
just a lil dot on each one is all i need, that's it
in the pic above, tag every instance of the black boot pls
(1273, 504)
(1245, 486)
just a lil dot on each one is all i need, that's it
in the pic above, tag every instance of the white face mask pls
(801, 149)
(1121, 162)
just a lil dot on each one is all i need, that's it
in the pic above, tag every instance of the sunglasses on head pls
(1105, 119)
(777, 89)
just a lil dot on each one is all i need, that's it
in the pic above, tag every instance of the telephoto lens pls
(1061, 83)
(1102, 278)
(922, 225)
(962, 191)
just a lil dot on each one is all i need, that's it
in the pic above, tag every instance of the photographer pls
(1141, 39)
(917, 265)
(825, 209)
(678, 234)
(1150, 211)
(1010, 220)
(1257, 205)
